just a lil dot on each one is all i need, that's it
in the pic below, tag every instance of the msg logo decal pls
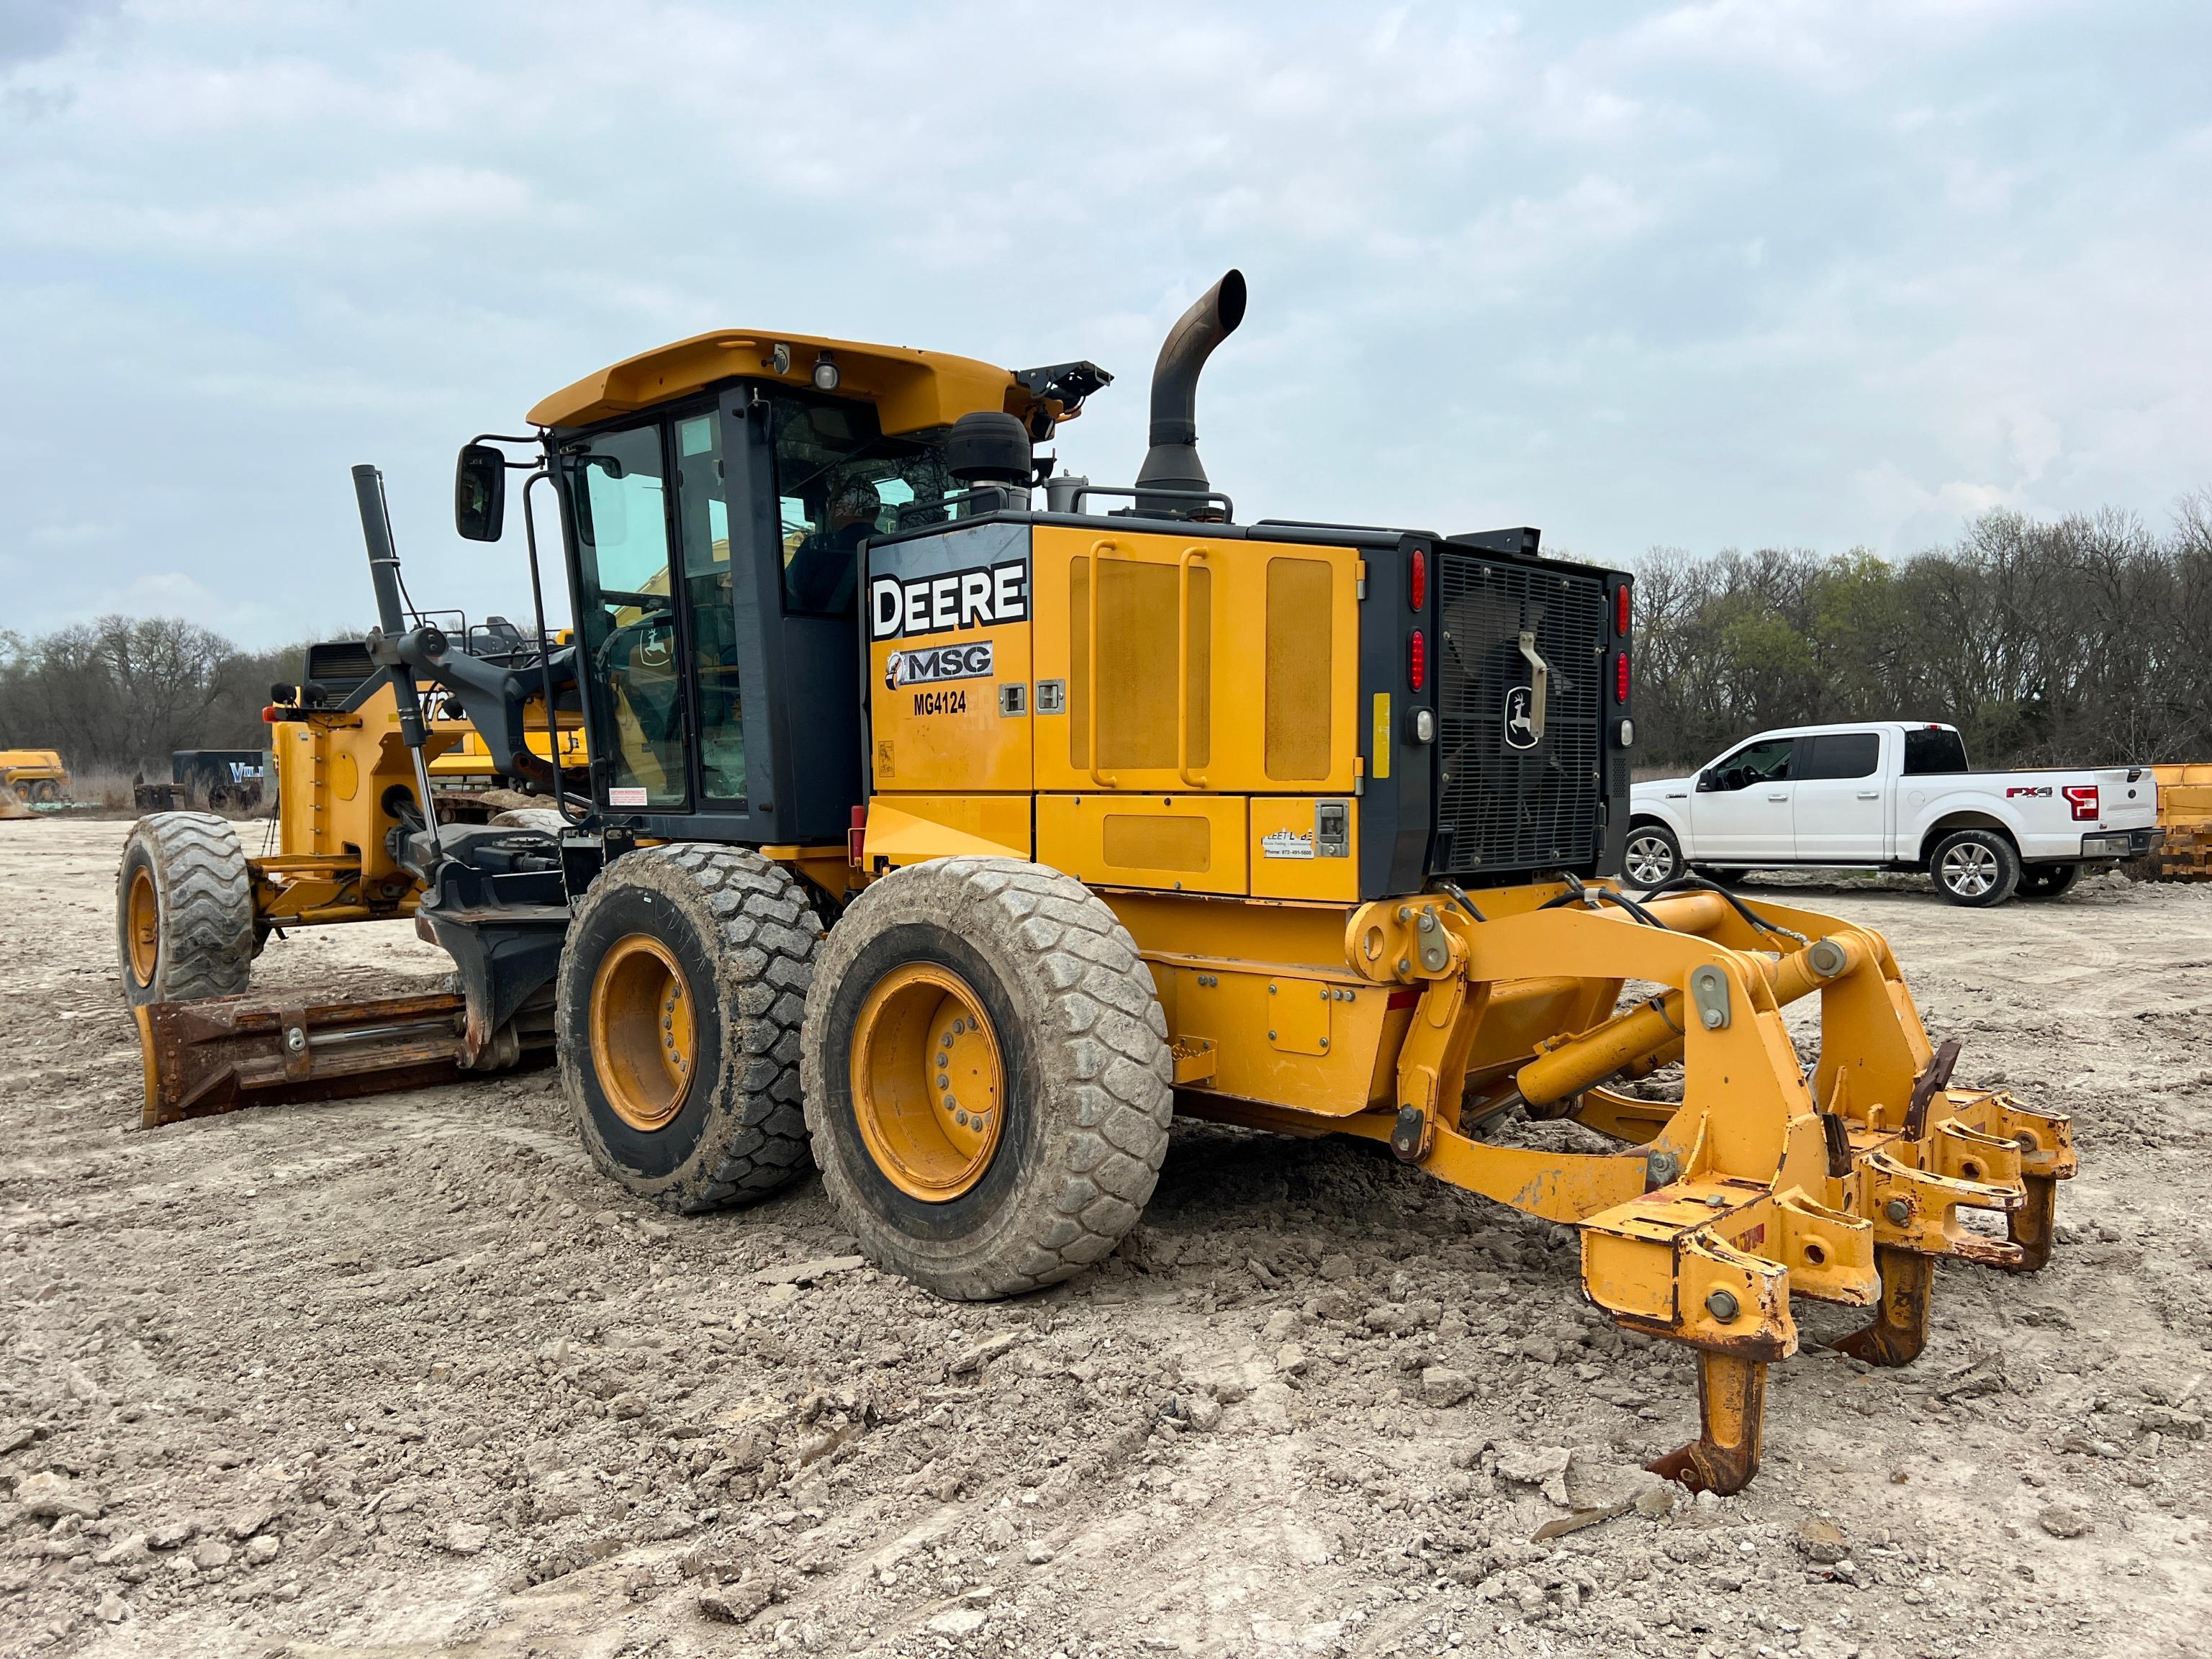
(947, 662)
(980, 597)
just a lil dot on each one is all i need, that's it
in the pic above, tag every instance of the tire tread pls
(206, 890)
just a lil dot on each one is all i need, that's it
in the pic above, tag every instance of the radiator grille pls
(339, 665)
(1502, 807)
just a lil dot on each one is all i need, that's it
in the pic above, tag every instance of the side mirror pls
(480, 492)
(1709, 780)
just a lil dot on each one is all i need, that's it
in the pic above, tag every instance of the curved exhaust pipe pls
(1172, 462)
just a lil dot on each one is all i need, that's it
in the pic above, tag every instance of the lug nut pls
(1721, 1305)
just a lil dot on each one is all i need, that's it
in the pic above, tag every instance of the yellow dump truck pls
(2184, 813)
(34, 775)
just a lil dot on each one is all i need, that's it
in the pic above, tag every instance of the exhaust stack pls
(1172, 463)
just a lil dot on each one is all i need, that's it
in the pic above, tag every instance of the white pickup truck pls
(1890, 795)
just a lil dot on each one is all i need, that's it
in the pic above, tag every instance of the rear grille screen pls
(1507, 800)
(339, 665)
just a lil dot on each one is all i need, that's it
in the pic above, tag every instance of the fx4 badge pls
(1521, 731)
(946, 662)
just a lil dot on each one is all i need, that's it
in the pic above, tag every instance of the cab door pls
(617, 496)
(1839, 805)
(1741, 809)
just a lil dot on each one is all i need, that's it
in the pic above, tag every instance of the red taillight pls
(1620, 612)
(1620, 674)
(856, 837)
(1417, 660)
(1417, 580)
(269, 714)
(2083, 799)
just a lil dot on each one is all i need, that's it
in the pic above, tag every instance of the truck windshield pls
(838, 481)
(1933, 749)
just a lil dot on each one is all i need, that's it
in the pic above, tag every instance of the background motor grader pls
(954, 845)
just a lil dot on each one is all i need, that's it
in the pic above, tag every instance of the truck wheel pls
(184, 910)
(988, 1085)
(1975, 867)
(1654, 856)
(2048, 880)
(682, 989)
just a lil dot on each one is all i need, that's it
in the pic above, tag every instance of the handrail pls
(1183, 667)
(1100, 552)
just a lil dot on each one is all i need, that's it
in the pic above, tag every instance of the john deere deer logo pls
(1520, 731)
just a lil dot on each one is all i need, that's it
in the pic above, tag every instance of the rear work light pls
(2083, 797)
(1417, 660)
(1620, 673)
(1620, 612)
(1417, 580)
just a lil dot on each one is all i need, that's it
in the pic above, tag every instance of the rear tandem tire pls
(2048, 881)
(682, 989)
(1978, 868)
(184, 910)
(1029, 994)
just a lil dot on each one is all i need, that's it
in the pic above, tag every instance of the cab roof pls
(912, 390)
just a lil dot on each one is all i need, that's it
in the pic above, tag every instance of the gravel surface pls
(405, 1377)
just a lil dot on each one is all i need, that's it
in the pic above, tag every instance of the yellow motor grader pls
(952, 844)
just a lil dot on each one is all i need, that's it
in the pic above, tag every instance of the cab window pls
(702, 517)
(839, 481)
(616, 494)
(1765, 762)
(1838, 755)
(1932, 751)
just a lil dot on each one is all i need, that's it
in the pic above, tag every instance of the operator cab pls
(715, 495)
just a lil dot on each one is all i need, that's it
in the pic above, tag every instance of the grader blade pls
(224, 1053)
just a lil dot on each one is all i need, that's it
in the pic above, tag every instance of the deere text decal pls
(978, 578)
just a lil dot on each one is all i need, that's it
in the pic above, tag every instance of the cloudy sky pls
(1752, 272)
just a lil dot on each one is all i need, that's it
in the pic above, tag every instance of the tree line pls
(2084, 641)
(2081, 641)
(118, 694)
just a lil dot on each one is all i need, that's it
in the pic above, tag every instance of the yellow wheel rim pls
(928, 1085)
(142, 922)
(645, 1040)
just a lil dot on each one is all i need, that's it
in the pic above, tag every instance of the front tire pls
(1653, 857)
(184, 910)
(1978, 868)
(2048, 881)
(682, 990)
(1009, 989)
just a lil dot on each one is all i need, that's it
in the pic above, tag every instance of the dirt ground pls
(404, 1377)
